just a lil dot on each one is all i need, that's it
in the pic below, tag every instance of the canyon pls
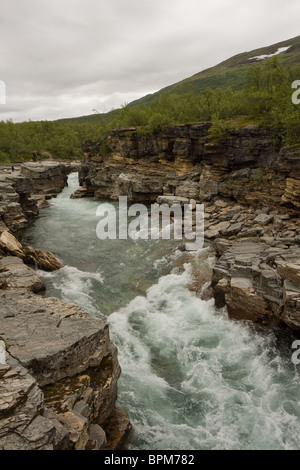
(59, 382)
(250, 186)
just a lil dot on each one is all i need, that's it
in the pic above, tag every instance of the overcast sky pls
(66, 58)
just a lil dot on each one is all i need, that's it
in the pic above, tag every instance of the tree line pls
(266, 100)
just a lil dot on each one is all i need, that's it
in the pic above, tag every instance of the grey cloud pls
(67, 57)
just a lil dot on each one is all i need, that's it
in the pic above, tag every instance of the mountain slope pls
(232, 72)
(229, 73)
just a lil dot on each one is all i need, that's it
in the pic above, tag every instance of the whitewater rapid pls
(191, 378)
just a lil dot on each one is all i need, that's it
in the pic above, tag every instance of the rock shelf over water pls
(250, 186)
(58, 385)
(58, 382)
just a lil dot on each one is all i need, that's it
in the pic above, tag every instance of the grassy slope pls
(230, 73)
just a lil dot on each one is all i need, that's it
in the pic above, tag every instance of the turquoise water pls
(191, 378)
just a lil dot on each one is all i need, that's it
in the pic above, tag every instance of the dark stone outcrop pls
(250, 186)
(144, 166)
(47, 178)
(58, 376)
(69, 359)
(59, 382)
(25, 190)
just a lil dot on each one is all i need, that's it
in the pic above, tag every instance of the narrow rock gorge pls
(58, 383)
(250, 186)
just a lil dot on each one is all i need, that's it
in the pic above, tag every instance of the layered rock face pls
(250, 186)
(257, 271)
(48, 178)
(58, 367)
(144, 166)
(25, 190)
(262, 277)
(289, 165)
(59, 383)
(248, 166)
(251, 167)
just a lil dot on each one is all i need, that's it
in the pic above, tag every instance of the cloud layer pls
(66, 58)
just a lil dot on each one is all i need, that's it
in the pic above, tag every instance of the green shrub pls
(4, 158)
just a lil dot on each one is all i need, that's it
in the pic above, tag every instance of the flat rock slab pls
(14, 274)
(51, 338)
(170, 200)
(20, 403)
(10, 244)
(263, 219)
(37, 167)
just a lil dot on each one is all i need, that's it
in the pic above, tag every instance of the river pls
(191, 378)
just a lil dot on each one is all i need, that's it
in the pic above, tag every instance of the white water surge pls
(191, 378)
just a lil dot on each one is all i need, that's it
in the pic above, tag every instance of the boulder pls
(66, 389)
(263, 219)
(21, 405)
(242, 292)
(97, 438)
(10, 245)
(170, 200)
(117, 430)
(42, 259)
(16, 276)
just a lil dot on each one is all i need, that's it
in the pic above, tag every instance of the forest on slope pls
(265, 99)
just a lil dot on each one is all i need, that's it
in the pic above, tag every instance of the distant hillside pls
(249, 88)
(102, 118)
(232, 72)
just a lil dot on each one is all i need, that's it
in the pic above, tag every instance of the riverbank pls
(191, 378)
(249, 185)
(59, 381)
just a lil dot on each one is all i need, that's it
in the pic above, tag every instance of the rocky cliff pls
(58, 378)
(25, 189)
(144, 166)
(250, 185)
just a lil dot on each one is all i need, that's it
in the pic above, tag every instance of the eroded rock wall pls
(250, 186)
(248, 166)
(144, 166)
(25, 190)
(58, 378)
(59, 384)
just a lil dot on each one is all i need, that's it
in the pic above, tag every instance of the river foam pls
(191, 378)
